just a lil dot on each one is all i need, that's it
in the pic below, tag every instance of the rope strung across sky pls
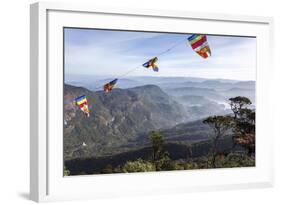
(198, 43)
(159, 54)
(147, 64)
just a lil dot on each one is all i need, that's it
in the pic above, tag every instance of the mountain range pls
(120, 121)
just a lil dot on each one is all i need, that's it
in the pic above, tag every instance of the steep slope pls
(116, 118)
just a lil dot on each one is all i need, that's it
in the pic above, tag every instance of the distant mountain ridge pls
(215, 89)
(92, 82)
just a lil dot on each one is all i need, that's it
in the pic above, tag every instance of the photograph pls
(149, 101)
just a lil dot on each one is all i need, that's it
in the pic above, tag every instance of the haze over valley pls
(120, 121)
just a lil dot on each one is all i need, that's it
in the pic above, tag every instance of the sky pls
(111, 53)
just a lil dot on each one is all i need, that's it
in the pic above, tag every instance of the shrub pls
(138, 166)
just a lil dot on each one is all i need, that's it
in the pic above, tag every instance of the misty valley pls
(158, 124)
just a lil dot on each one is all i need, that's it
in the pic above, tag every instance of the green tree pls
(237, 104)
(160, 157)
(244, 123)
(220, 125)
(157, 145)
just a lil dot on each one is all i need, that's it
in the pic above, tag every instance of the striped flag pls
(83, 104)
(200, 45)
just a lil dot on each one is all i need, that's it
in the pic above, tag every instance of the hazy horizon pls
(77, 77)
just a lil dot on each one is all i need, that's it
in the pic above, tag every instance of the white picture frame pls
(46, 179)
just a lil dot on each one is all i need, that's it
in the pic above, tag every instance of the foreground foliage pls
(138, 166)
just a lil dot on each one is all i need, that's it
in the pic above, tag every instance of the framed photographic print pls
(127, 102)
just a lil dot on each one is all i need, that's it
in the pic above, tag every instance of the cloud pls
(99, 52)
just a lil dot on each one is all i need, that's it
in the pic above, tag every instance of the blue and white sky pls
(113, 53)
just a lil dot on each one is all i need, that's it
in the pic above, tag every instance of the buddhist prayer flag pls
(83, 104)
(151, 64)
(200, 45)
(109, 86)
